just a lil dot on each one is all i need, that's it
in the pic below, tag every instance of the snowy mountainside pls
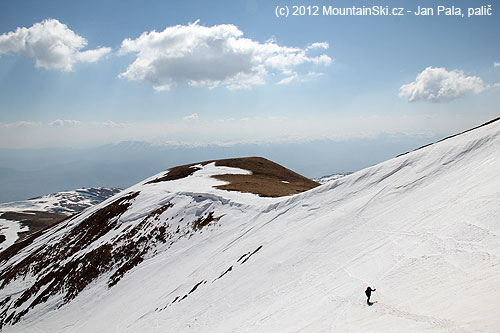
(108, 240)
(189, 253)
(28, 216)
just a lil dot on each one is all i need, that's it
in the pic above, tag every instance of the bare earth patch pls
(268, 179)
(178, 172)
(35, 220)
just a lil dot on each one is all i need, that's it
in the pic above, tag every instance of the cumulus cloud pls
(436, 84)
(212, 56)
(64, 122)
(193, 116)
(51, 44)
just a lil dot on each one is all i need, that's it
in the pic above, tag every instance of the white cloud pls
(21, 123)
(92, 55)
(165, 87)
(288, 79)
(212, 56)
(496, 64)
(64, 122)
(193, 116)
(315, 74)
(109, 123)
(439, 85)
(304, 78)
(51, 44)
(322, 45)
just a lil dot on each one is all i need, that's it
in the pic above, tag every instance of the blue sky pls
(351, 89)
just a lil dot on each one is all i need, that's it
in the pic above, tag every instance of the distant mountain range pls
(26, 173)
(66, 202)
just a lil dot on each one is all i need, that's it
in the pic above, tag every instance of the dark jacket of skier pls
(368, 293)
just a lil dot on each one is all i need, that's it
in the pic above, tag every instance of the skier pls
(368, 293)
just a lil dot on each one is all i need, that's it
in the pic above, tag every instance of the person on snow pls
(368, 293)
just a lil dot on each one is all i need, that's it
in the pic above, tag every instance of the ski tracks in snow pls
(433, 322)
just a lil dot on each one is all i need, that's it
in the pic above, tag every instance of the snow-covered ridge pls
(329, 178)
(254, 175)
(66, 202)
(34, 214)
(183, 256)
(203, 180)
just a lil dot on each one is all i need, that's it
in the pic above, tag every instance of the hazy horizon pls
(26, 173)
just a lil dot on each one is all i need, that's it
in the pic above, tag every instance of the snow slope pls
(422, 228)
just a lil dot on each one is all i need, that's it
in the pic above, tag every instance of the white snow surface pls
(201, 182)
(422, 228)
(326, 179)
(10, 230)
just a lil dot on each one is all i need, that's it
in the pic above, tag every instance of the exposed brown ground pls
(37, 223)
(177, 173)
(268, 179)
(35, 220)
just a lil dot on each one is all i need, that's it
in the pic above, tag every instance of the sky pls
(81, 74)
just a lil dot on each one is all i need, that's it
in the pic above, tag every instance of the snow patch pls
(10, 230)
